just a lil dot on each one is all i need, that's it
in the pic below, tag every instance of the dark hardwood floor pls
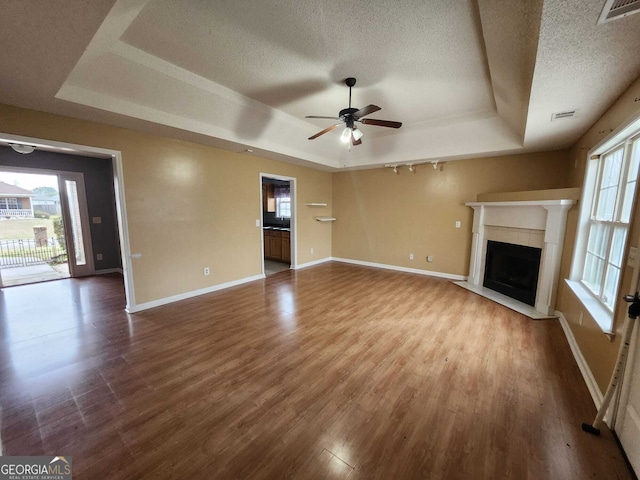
(334, 371)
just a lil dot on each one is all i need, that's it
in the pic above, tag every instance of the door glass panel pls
(76, 224)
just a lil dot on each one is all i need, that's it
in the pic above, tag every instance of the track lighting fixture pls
(412, 168)
(395, 169)
(435, 164)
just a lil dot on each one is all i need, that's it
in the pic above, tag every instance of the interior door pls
(627, 417)
(628, 425)
(76, 224)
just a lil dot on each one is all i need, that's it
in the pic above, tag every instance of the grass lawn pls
(13, 229)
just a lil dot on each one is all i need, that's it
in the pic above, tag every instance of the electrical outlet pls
(411, 256)
(458, 223)
(311, 250)
(207, 271)
(98, 256)
(257, 223)
(430, 258)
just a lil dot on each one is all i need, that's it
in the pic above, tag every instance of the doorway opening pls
(278, 223)
(44, 231)
(120, 222)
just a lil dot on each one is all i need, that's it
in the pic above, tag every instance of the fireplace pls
(539, 224)
(512, 270)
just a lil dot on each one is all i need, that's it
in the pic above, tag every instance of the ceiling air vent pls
(615, 9)
(560, 115)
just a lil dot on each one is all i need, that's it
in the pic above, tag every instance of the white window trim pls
(602, 314)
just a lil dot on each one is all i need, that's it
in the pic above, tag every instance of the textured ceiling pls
(467, 78)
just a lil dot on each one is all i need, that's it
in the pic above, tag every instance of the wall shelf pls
(316, 204)
(326, 219)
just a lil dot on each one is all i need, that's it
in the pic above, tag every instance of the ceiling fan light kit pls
(348, 117)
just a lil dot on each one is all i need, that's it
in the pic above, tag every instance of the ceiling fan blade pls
(366, 111)
(315, 116)
(326, 130)
(354, 141)
(381, 123)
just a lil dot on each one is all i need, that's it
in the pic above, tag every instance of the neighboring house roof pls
(7, 190)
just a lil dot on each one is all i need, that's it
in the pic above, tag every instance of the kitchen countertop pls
(282, 229)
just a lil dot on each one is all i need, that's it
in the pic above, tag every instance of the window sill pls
(602, 315)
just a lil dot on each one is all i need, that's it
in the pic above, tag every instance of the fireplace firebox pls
(512, 270)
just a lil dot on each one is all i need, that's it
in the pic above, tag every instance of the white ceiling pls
(467, 78)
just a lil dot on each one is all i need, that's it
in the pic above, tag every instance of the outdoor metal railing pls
(25, 252)
(16, 212)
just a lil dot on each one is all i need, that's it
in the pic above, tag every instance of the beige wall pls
(383, 217)
(599, 352)
(189, 206)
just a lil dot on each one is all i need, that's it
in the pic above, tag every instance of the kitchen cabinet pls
(267, 243)
(286, 247)
(277, 245)
(268, 198)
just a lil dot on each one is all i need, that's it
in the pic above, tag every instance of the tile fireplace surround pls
(535, 223)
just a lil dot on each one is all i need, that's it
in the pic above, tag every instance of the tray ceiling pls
(467, 78)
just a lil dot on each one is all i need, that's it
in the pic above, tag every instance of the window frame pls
(629, 139)
(628, 149)
(278, 207)
(6, 205)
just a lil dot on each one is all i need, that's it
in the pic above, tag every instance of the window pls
(610, 185)
(9, 203)
(609, 221)
(283, 207)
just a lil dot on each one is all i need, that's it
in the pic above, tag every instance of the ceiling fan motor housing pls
(346, 115)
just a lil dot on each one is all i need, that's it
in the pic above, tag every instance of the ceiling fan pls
(349, 116)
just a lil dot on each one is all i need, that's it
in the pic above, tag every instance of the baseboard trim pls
(107, 271)
(429, 273)
(193, 293)
(311, 264)
(589, 379)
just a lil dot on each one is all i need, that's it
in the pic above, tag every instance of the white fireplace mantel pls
(549, 216)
